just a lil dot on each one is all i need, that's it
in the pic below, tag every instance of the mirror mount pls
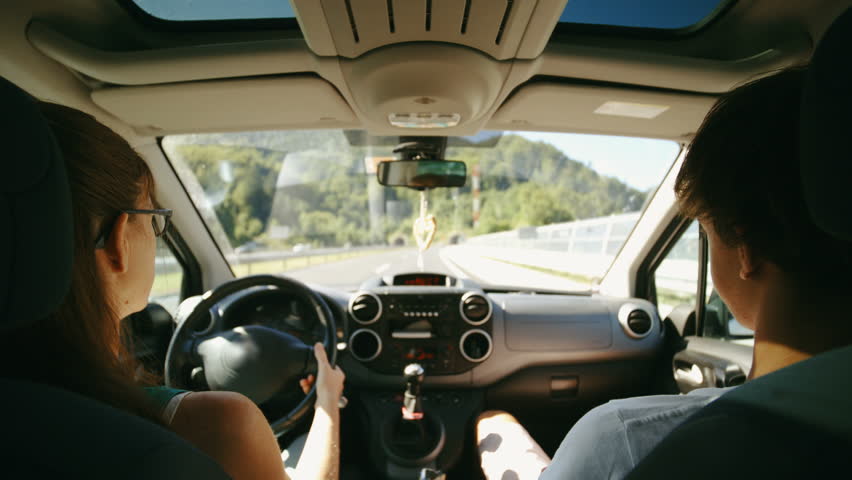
(421, 148)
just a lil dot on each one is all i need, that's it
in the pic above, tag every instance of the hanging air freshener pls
(425, 225)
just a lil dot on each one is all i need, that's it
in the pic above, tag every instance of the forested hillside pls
(313, 187)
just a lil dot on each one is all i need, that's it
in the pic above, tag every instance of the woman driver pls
(79, 346)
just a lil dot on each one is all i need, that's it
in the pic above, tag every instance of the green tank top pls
(162, 395)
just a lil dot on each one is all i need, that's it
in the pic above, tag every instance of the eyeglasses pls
(160, 219)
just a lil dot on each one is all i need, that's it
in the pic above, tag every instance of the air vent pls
(639, 322)
(636, 321)
(475, 309)
(505, 19)
(391, 23)
(365, 345)
(365, 308)
(500, 29)
(475, 345)
(465, 16)
(352, 24)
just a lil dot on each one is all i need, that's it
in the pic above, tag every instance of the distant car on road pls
(248, 247)
(301, 247)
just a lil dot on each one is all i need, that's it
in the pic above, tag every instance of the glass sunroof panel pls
(200, 10)
(654, 14)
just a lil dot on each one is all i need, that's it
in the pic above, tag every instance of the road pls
(351, 273)
(454, 261)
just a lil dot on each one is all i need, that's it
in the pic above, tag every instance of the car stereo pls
(448, 333)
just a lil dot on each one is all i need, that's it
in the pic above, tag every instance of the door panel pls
(710, 362)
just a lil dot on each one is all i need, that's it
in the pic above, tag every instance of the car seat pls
(50, 432)
(796, 422)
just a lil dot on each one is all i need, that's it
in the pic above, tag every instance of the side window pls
(168, 278)
(676, 277)
(677, 281)
(719, 322)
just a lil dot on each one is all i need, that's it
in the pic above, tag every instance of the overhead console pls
(393, 67)
(445, 329)
(502, 30)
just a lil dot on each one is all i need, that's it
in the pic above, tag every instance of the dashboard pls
(467, 336)
(463, 335)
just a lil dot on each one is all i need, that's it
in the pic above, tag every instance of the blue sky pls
(629, 13)
(216, 9)
(639, 13)
(638, 162)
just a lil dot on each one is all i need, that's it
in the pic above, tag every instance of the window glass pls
(719, 322)
(168, 277)
(656, 14)
(191, 10)
(539, 210)
(676, 278)
(676, 281)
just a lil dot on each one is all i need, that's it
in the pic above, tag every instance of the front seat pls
(796, 422)
(49, 432)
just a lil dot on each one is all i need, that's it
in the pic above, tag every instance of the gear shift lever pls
(413, 437)
(412, 405)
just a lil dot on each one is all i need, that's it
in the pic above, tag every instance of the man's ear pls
(115, 254)
(750, 263)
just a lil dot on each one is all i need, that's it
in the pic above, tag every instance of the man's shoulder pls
(629, 409)
(612, 438)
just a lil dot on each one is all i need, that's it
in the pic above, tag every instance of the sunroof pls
(647, 14)
(195, 10)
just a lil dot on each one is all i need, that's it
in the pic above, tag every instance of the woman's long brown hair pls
(79, 347)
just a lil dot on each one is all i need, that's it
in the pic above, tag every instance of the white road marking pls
(451, 265)
(382, 268)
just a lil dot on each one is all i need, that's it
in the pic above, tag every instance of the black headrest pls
(36, 237)
(826, 159)
(94, 441)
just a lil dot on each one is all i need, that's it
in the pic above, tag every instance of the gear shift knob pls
(413, 373)
(411, 407)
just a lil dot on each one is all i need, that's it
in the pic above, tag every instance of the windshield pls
(538, 211)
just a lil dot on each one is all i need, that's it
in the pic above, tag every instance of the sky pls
(635, 13)
(628, 13)
(638, 162)
(216, 9)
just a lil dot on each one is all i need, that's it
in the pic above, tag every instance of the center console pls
(446, 330)
(410, 432)
(414, 328)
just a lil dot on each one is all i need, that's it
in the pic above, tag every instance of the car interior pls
(468, 202)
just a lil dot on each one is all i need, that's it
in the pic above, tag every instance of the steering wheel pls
(254, 360)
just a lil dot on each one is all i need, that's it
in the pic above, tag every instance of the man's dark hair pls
(742, 174)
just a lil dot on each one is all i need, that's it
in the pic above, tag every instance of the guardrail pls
(272, 255)
(586, 248)
(166, 263)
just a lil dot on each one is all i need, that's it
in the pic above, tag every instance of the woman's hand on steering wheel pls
(329, 380)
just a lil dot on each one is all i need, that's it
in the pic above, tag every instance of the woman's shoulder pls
(201, 407)
(230, 428)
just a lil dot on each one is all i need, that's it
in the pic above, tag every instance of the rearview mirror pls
(422, 173)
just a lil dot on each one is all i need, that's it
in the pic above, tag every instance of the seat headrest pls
(36, 238)
(826, 159)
